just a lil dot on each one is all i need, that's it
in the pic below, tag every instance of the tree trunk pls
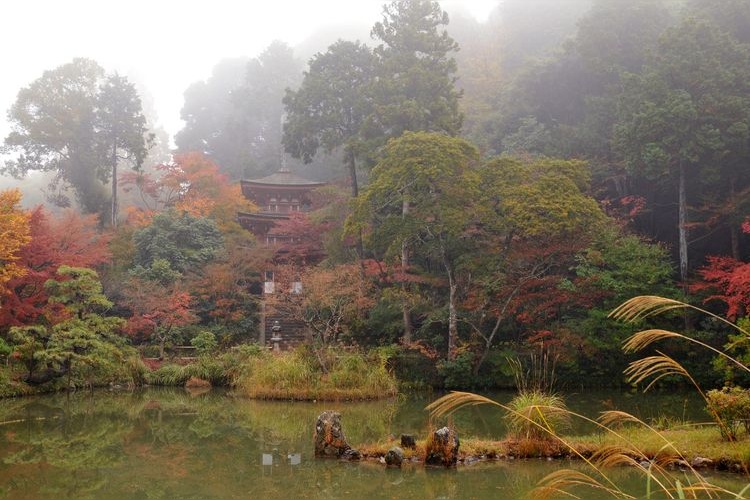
(405, 310)
(683, 230)
(162, 341)
(114, 185)
(734, 233)
(488, 340)
(351, 161)
(452, 317)
(734, 236)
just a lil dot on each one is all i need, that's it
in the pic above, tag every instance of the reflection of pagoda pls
(277, 195)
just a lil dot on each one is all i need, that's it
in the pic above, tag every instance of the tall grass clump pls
(223, 369)
(299, 375)
(537, 415)
(168, 375)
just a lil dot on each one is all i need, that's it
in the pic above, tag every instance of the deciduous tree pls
(420, 199)
(157, 311)
(14, 235)
(68, 239)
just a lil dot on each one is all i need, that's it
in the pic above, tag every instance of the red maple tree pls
(68, 239)
(158, 311)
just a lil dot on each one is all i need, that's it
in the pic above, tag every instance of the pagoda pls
(277, 195)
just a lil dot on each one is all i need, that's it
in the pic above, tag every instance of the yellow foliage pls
(14, 234)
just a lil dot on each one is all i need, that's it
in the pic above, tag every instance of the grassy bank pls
(303, 374)
(691, 442)
(328, 375)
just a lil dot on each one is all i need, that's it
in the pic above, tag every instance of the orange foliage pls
(69, 239)
(330, 299)
(225, 284)
(139, 217)
(14, 234)
(191, 183)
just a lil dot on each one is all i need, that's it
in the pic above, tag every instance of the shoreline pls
(473, 451)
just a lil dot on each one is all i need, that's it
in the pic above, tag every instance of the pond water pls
(170, 444)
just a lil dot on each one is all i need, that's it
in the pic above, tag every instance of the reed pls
(658, 366)
(622, 450)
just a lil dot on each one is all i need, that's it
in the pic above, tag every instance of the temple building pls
(277, 195)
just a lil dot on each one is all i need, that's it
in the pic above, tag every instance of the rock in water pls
(329, 438)
(394, 457)
(442, 448)
(351, 454)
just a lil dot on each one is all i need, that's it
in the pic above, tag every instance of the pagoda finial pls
(282, 154)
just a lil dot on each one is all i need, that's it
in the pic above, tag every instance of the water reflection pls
(171, 444)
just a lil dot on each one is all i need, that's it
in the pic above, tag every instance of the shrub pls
(169, 375)
(204, 343)
(459, 373)
(731, 406)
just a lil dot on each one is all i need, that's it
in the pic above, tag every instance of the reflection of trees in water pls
(168, 444)
(84, 445)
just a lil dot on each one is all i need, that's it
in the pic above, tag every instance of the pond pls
(167, 444)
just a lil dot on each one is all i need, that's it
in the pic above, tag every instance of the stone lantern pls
(276, 335)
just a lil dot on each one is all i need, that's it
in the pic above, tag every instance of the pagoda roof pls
(283, 178)
(264, 215)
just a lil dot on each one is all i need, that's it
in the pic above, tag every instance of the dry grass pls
(649, 451)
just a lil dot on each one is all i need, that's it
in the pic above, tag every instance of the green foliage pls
(538, 198)
(5, 348)
(330, 108)
(205, 342)
(459, 373)
(78, 124)
(738, 346)
(415, 86)
(181, 240)
(625, 266)
(80, 344)
(731, 406)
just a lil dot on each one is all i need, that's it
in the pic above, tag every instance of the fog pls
(167, 45)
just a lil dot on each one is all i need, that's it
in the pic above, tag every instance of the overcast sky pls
(165, 44)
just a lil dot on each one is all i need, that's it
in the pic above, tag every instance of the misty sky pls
(165, 45)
